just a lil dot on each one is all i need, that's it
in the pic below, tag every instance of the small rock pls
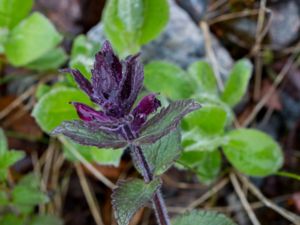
(285, 25)
(182, 42)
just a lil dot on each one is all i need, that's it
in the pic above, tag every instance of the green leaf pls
(202, 217)
(46, 220)
(237, 83)
(7, 159)
(4, 200)
(162, 154)
(41, 90)
(82, 55)
(84, 134)
(131, 13)
(13, 11)
(165, 121)
(50, 61)
(4, 32)
(195, 140)
(206, 164)
(204, 77)
(3, 142)
(168, 79)
(130, 196)
(212, 100)
(253, 152)
(11, 219)
(128, 24)
(106, 156)
(10, 157)
(54, 107)
(26, 194)
(102, 156)
(210, 119)
(31, 39)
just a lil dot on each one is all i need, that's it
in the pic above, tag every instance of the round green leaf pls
(253, 152)
(54, 107)
(31, 39)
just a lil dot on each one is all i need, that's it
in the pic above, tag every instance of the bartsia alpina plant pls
(114, 88)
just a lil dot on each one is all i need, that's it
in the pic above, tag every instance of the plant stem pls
(157, 200)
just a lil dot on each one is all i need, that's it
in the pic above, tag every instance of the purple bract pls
(114, 87)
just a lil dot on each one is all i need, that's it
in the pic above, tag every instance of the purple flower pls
(115, 86)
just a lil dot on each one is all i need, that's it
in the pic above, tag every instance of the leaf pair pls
(155, 128)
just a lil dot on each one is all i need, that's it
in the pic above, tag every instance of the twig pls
(17, 102)
(283, 212)
(210, 53)
(243, 199)
(269, 94)
(231, 16)
(89, 195)
(216, 5)
(257, 49)
(88, 165)
(206, 196)
(254, 205)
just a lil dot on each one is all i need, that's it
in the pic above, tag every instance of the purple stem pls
(157, 199)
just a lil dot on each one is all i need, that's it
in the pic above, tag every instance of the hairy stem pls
(157, 199)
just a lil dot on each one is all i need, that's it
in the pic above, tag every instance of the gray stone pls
(285, 25)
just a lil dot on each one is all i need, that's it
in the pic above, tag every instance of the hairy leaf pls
(13, 11)
(237, 83)
(168, 79)
(130, 196)
(202, 217)
(253, 152)
(83, 134)
(31, 39)
(166, 120)
(203, 75)
(53, 108)
(162, 154)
